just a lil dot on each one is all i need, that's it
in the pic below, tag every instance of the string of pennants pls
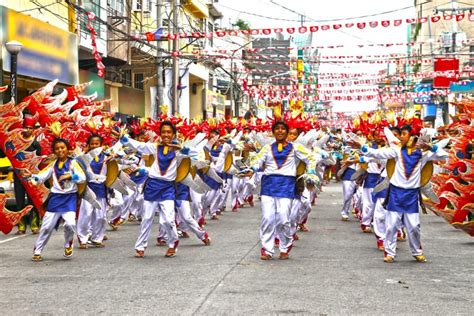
(279, 49)
(271, 93)
(467, 71)
(325, 27)
(379, 61)
(382, 79)
(354, 97)
(313, 88)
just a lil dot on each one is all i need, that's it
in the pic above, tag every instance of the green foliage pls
(242, 25)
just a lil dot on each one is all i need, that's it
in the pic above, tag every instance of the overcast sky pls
(317, 10)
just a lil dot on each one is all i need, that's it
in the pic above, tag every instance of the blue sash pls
(213, 184)
(346, 176)
(99, 189)
(371, 180)
(60, 203)
(403, 200)
(138, 177)
(276, 185)
(381, 194)
(159, 190)
(182, 192)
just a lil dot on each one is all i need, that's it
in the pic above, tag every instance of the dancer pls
(65, 173)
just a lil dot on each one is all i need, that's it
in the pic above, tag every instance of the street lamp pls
(14, 48)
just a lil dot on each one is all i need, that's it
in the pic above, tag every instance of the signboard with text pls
(48, 52)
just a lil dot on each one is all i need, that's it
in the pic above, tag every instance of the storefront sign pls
(48, 52)
(216, 100)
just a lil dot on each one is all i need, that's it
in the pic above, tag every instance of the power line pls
(313, 20)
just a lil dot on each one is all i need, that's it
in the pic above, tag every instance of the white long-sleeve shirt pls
(218, 163)
(161, 171)
(68, 186)
(407, 173)
(292, 152)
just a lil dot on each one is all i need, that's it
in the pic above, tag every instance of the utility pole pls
(455, 29)
(233, 104)
(175, 70)
(159, 62)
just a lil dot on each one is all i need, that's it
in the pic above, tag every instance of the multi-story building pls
(58, 44)
(272, 67)
(50, 49)
(446, 38)
(231, 70)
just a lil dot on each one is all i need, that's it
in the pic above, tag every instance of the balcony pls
(197, 7)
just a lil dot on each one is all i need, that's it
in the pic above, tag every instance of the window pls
(127, 77)
(117, 6)
(210, 82)
(210, 29)
(147, 5)
(90, 6)
(471, 53)
(138, 81)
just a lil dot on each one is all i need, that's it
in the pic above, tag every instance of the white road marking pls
(13, 238)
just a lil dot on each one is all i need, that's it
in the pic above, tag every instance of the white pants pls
(275, 223)
(305, 208)
(393, 222)
(379, 219)
(211, 201)
(295, 214)
(348, 188)
(49, 221)
(196, 204)
(167, 222)
(358, 198)
(95, 218)
(136, 206)
(368, 206)
(187, 221)
(225, 194)
(237, 187)
(249, 187)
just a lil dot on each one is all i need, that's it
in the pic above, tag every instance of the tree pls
(242, 25)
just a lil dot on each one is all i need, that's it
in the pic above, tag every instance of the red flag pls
(448, 17)
(373, 24)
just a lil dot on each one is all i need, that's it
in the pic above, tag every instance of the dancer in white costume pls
(94, 219)
(159, 192)
(403, 194)
(278, 189)
(66, 173)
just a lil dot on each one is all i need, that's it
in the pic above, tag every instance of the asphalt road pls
(334, 269)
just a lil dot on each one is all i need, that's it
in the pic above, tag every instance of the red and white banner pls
(100, 66)
(362, 25)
